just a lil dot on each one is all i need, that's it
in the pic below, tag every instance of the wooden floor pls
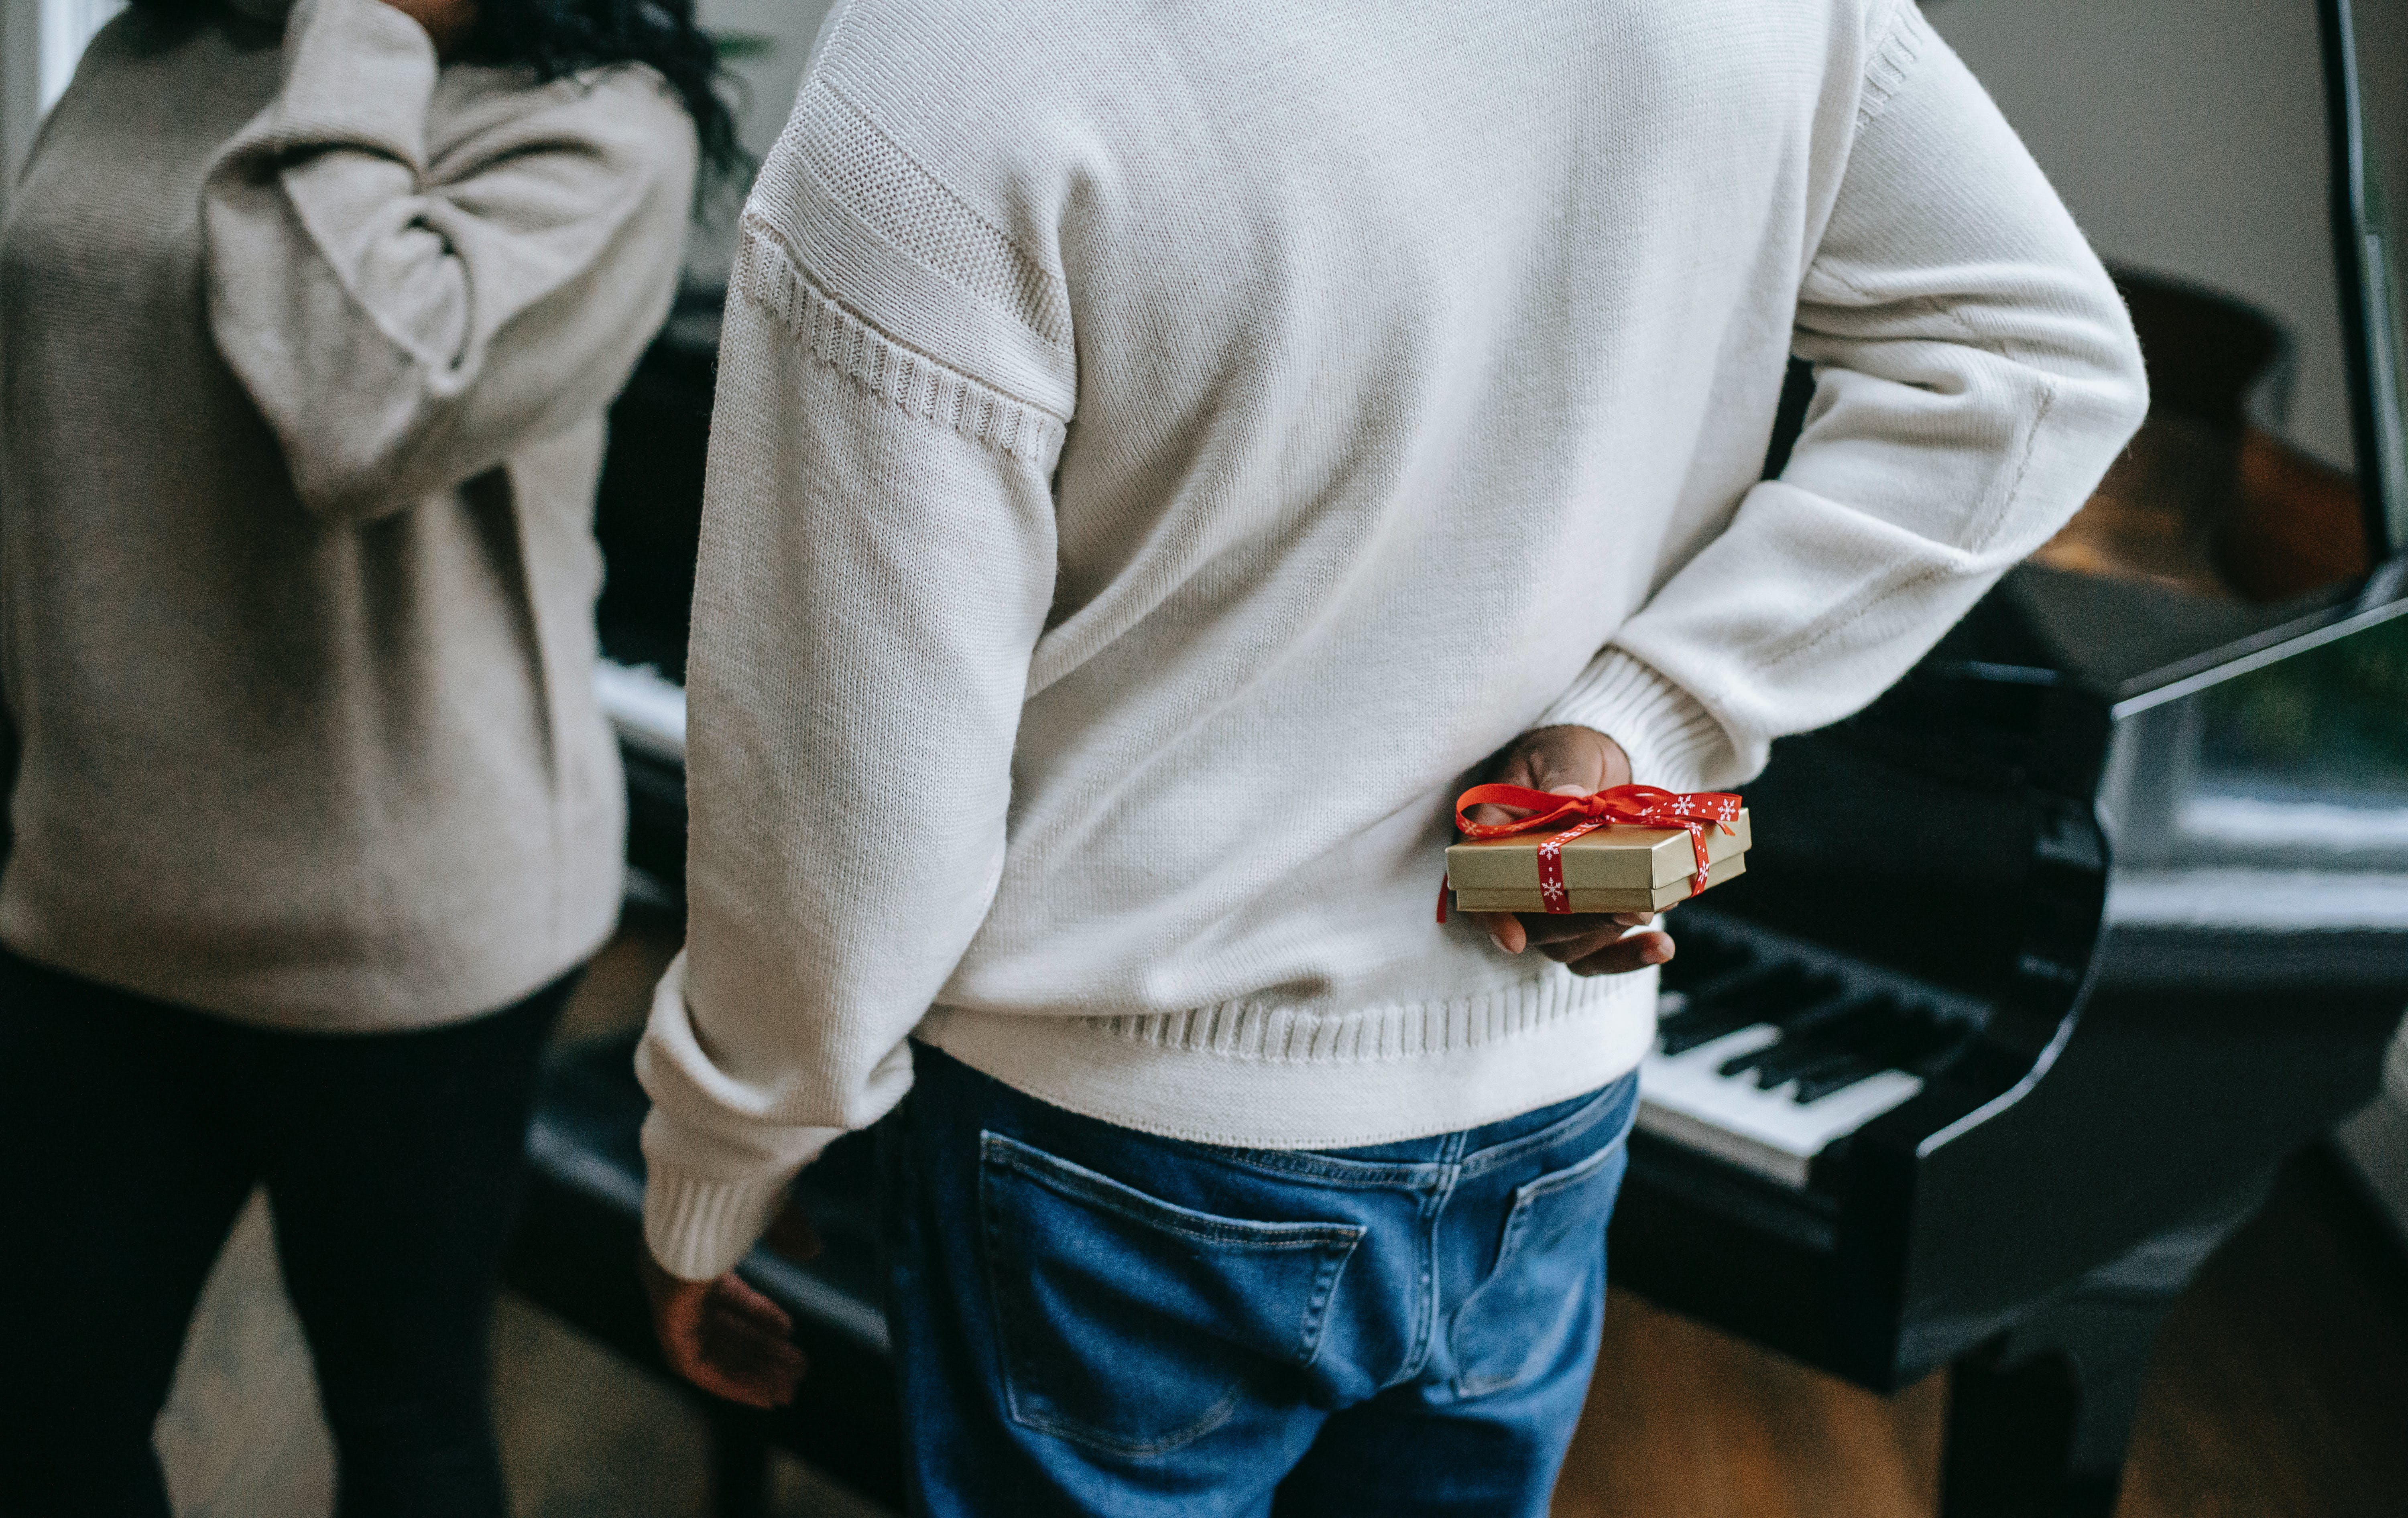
(2280, 1390)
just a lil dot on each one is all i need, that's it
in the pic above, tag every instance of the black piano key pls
(1797, 1054)
(1917, 1043)
(1766, 998)
(1774, 996)
(1861, 1037)
(1694, 1029)
(1723, 1008)
(1943, 1052)
(1838, 1077)
(1723, 1005)
(1703, 1025)
(1739, 1064)
(1844, 1007)
(1704, 956)
(1736, 981)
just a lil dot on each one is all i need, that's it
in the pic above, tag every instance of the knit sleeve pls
(1975, 373)
(406, 319)
(878, 557)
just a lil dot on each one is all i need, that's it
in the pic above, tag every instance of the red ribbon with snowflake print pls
(1621, 806)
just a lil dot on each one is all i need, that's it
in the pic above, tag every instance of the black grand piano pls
(2108, 915)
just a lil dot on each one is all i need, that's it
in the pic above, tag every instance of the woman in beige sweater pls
(306, 330)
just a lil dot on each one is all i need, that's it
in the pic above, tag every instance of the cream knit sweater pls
(304, 349)
(1161, 450)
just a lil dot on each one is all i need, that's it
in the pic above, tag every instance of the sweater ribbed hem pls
(1673, 741)
(429, 981)
(697, 1227)
(1263, 1077)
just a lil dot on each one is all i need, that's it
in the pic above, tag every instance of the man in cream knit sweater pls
(1161, 455)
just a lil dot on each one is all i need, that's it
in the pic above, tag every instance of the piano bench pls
(577, 1248)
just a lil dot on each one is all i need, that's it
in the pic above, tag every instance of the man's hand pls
(723, 1336)
(1570, 761)
(446, 23)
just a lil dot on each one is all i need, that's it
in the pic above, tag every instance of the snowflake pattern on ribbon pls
(1624, 806)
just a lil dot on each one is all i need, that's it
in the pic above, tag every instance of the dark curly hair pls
(558, 38)
(553, 38)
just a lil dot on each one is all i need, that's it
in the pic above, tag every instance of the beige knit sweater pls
(305, 344)
(1162, 449)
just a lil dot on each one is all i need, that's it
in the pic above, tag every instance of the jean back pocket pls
(1538, 1302)
(1133, 1325)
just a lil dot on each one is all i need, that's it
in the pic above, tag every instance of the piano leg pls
(2039, 1416)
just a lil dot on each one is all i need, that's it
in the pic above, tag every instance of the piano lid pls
(2228, 523)
(2211, 660)
(2258, 786)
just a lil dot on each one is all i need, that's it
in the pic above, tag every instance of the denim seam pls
(1028, 1417)
(1426, 1313)
(1078, 1433)
(1305, 1164)
(1102, 1191)
(1324, 1291)
(999, 1153)
(1481, 1161)
(1524, 1195)
(1514, 1231)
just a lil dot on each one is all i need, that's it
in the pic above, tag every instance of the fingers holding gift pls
(1614, 952)
(1557, 928)
(1512, 933)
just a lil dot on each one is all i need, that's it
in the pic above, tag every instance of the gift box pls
(1633, 849)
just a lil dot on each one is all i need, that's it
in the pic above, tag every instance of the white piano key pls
(645, 707)
(1684, 1099)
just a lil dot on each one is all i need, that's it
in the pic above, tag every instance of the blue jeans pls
(1092, 1320)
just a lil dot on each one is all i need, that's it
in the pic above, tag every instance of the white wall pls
(40, 43)
(2187, 136)
(21, 83)
(66, 26)
(773, 40)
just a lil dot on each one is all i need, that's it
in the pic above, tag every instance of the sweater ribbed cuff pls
(1673, 741)
(697, 1228)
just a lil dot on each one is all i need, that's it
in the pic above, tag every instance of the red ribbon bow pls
(1622, 806)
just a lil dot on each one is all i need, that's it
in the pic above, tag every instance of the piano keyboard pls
(1767, 1052)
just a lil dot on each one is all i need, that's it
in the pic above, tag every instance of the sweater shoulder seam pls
(1892, 61)
(768, 275)
(889, 187)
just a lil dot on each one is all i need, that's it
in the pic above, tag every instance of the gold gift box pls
(1613, 869)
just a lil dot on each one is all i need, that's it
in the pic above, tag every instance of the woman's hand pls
(1570, 761)
(448, 22)
(726, 1336)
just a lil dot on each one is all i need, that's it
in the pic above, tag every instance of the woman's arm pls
(406, 323)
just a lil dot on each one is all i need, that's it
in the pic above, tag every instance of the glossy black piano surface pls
(2044, 961)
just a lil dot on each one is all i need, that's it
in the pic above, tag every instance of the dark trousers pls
(131, 1133)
